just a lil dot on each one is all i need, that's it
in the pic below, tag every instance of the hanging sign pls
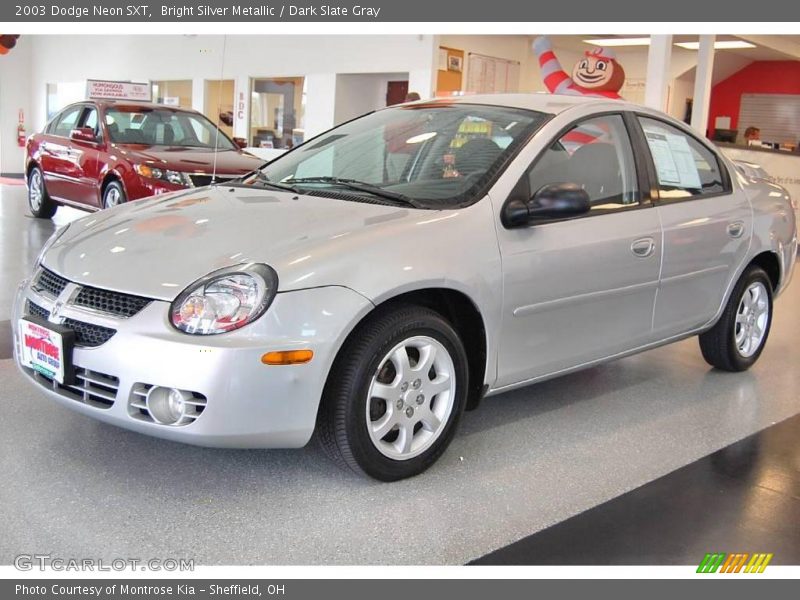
(97, 89)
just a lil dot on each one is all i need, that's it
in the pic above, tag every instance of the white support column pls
(241, 107)
(199, 94)
(656, 88)
(320, 103)
(702, 84)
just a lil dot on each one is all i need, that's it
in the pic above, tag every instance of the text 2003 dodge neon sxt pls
(372, 283)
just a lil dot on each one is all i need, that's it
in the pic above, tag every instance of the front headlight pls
(50, 241)
(225, 300)
(174, 177)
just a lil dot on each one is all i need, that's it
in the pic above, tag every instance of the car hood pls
(158, 246)
(191, 160)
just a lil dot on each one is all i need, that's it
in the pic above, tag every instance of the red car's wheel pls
(40, 203)
(114, 195)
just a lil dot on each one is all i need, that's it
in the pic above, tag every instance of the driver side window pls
(596, 154)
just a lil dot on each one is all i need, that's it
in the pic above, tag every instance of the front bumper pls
(248, 404)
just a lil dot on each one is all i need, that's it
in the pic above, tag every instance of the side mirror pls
(241, 142)
(552, 201)
(83, 134)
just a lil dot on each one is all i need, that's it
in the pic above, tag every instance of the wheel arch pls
(458, 309)
(108, 177)
(769, 261)
(30, 166)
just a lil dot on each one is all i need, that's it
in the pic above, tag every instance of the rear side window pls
(67, 121)
(685, 167)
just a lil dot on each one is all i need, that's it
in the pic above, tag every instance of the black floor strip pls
(743, 498)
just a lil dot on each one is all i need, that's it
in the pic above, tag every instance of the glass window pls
(595, 154)
(685, 167)
(173, 93)
(63, 94)
(67, 121)
(219, 99)
(90, 121)
(163, 127)
(277, 112)
(438, 154)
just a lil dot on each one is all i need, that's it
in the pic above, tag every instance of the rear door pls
(581, 289)
(707, 227)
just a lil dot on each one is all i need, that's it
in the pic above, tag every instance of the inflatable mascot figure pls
(597, 74)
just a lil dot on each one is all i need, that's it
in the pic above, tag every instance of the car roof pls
(135, 104)
(130, 105)
(539, 101)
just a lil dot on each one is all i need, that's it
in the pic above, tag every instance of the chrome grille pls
(91, 387)
(86, 334)
(49, 283)
(89, 334)
(137, 404)
(37, 311)
(115, 303)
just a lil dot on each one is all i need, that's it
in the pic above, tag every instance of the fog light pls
(167, 406)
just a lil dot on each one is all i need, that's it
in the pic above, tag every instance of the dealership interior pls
(655, 458)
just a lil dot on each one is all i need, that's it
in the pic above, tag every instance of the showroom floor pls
(523, 462)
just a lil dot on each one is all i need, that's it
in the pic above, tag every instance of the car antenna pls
(219, 103)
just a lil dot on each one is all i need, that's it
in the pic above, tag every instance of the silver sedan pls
(373, 283)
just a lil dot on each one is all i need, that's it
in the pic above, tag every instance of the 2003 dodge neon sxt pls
(375, 281)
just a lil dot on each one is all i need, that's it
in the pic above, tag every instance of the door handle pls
(736, 229)
(643, 247)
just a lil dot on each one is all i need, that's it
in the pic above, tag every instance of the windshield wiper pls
(262, 179)
(361, 186)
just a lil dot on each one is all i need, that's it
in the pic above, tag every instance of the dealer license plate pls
(43, 350)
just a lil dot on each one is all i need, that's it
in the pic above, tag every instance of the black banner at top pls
(585, 11)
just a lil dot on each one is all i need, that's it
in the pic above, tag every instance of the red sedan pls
(97, 154)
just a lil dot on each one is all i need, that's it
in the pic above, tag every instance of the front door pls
(86, 159)
(581, 289)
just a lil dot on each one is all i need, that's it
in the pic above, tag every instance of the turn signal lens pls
(287, 357)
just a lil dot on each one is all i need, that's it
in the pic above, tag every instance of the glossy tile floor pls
(524, 461)
(742, 498)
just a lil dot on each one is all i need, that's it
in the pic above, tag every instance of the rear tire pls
(39, 201)
(737, 339)
(114, 195)
(395, 394)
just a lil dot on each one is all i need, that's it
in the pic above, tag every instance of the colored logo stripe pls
(711, 562)
(758, 563)
(734, 563)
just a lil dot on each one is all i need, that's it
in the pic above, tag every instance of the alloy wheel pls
(35, 190)
(411, 397)
(752, 317)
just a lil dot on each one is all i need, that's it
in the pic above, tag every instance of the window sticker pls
(673, 159)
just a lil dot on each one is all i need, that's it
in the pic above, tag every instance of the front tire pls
(395, 394)
(114, 195)
(737, 339)
(39, 201)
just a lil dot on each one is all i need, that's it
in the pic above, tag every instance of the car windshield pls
(432, 155)
(163, 127)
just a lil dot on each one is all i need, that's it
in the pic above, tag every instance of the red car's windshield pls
(164, 127)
